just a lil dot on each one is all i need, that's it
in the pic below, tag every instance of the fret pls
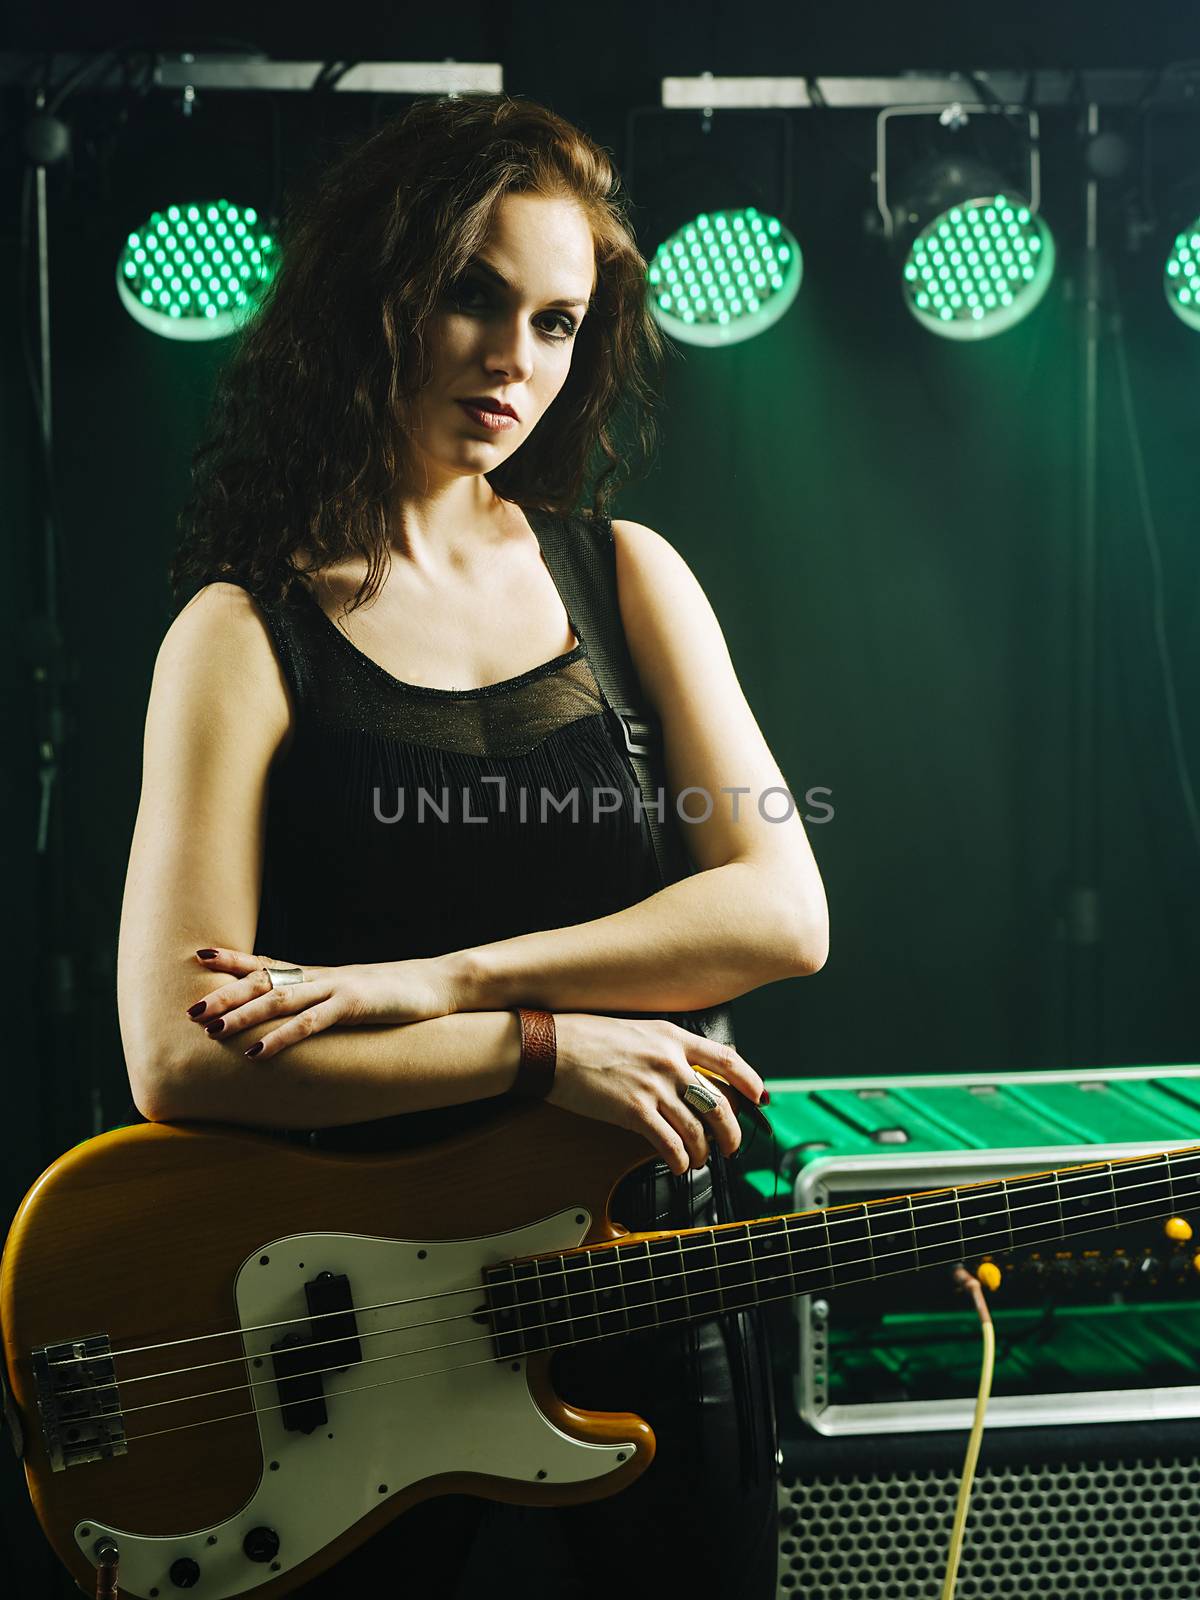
(622, 1292)
(770, 1258)
(986, 1216)
(529, 1308)
(808, 1247)
(670, 1285)
(581, 1297)
(1033, 1204)
(557, 1309)
(501, 1288)
(938, 1228)
(639, 1284)
(890, 1229)
(1183, 1168)
(1087, 1199)
(1143, 1190)
(738, 1286)
(702, 1271)
(848, 1243)
(606, 1285)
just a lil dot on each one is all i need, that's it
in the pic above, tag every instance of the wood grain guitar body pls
(238, 1358)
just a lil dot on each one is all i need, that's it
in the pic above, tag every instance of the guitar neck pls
(654, 1280)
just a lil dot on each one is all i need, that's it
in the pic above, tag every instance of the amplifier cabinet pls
(1089, 1479)
(1098, 1513)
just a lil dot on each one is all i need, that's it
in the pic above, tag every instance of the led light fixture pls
(1181, 275)
(724, 277)
(195, 271)
(975, 255)
(978, 267)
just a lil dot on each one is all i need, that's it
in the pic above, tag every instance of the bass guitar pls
(233, 1359)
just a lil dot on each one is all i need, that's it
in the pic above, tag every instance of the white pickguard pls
(428, 1397)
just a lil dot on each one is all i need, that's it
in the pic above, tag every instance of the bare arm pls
(343, 1075)
(217, 718)
(696, 943)
(755, 911)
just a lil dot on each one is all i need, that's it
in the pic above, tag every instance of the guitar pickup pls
(301, 1392)
(331, 1307)
(301, 1361)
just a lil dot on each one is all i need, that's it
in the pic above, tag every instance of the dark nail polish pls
(255, 1048)
(215, 1027)
(194, 1011)
(206, 955)
(766, 1098)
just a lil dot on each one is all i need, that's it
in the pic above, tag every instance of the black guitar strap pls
(583, 563)
(582, 560)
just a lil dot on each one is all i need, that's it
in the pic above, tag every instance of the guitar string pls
(385, 1383)
(928, 1199)
(585, 1261)
(577, 1264)
(524, 1305)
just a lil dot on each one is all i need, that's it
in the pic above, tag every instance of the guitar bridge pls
(78, 1403)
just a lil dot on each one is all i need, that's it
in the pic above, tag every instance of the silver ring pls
(281, 976)
(700, 1097)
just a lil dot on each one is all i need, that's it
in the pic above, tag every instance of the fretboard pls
(652, 1280)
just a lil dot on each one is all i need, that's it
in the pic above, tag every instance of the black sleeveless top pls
(358, 867)
(407, 821)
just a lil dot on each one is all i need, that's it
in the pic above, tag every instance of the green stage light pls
(1181, 276)
(978, 268)
(195, 271)
(724, 277)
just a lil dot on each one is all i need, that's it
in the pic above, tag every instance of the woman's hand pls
(368, 992)
(633, 1071)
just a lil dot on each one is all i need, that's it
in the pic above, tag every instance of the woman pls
(474, 250)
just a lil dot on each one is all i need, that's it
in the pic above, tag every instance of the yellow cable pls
(972, 1284)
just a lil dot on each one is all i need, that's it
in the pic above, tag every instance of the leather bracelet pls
(535, 1074)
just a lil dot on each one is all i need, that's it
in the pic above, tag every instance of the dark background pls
(884, 521)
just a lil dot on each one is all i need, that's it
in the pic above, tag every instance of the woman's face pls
(510, 340)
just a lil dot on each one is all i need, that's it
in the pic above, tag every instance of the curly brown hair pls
(306, 440)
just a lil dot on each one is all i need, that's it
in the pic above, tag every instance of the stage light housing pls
(724, 276)
(976, 259)
(196, 271)
(1181, 275)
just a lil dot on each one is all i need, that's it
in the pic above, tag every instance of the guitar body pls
(185, 1253)
(234, 1359)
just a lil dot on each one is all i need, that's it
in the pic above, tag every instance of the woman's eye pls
(460, 293)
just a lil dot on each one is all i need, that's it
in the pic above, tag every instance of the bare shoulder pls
(635, 541)
(668, 620)
(218, 652)
(648, 561)
(221, 607)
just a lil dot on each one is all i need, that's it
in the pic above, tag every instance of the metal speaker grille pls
(1107, 1530)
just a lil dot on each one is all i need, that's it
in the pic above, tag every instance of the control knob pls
(261, 1544)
